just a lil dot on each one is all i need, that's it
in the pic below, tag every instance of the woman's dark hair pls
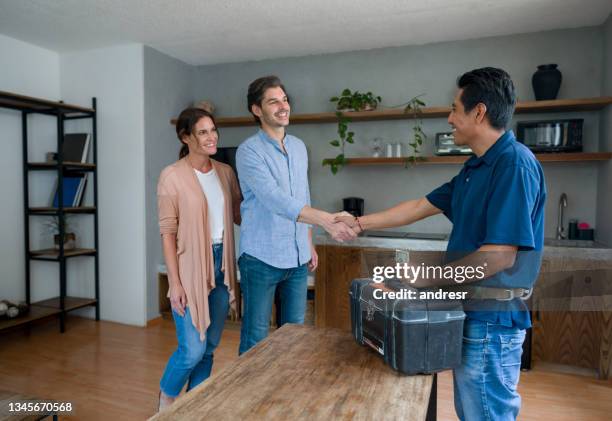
(258, 88)
(185, 125)
(492, 87)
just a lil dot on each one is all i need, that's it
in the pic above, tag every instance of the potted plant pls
(356, 101)
(53, 227)
(348, 101)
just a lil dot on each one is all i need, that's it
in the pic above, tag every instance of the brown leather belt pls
(490, 293)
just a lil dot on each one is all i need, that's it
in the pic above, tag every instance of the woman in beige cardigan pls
(199, 201)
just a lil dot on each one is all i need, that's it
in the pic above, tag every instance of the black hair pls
(492, 87)
(258, 88)
(185, 125)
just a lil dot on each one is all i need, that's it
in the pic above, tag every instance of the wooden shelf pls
(53, 254)
(527, 107)
(45, 166)
(70, 303)
(28, 103)
(55, 211)
(443, 160)
(36, 313)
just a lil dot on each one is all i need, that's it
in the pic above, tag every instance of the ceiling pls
(221, 31)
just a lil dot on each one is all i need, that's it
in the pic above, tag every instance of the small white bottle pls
(398, 149)
(389, 150)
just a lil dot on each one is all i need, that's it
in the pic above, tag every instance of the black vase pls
(546, 82)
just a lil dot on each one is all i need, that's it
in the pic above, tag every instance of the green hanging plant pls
(414, 107)
(344, 136)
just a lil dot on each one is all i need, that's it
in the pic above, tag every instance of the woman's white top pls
(216, 203)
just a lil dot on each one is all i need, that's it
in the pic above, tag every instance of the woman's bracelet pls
(358, 223)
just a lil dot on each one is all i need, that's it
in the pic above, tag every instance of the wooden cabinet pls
(570, 323)
(338, 266)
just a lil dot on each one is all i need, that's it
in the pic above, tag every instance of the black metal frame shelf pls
(70, 303)
(54, 166)
(62, 112)
(44, 106)
(54, 255)
(50, 211)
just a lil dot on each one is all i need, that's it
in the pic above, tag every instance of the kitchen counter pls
(571, 302)
(552, 248)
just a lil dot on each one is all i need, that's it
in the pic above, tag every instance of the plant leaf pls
(335, 143)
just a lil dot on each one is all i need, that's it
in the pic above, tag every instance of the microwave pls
(551, 135)
(445, 145)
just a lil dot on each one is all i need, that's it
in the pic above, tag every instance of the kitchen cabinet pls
(338, 266)
(570, 323)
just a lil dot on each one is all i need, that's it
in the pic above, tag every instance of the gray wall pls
(168, 88)
(397, 74)
(604, 205)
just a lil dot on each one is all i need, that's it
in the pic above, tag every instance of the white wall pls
(33, 71)
(115, 76)
(168, 90)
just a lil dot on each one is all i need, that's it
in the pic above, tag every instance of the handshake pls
(342, 226)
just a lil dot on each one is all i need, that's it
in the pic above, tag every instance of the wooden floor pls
(112, 371)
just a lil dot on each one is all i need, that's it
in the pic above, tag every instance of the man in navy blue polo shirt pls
(496, 204)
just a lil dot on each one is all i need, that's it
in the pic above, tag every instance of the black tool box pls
(412, 335)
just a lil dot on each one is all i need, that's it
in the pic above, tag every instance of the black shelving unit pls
(62, 304)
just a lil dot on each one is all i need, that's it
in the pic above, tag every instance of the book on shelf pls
(76, 147)
(73, 193)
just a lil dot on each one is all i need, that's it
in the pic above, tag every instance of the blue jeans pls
(258, 282)
(192, 361)
(485, 383)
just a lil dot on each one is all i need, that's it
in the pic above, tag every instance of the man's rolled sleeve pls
(254, 173)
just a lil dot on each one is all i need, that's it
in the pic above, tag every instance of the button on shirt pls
(275, 188)
(498, 198)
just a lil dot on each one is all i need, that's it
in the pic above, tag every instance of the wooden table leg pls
(433, 400)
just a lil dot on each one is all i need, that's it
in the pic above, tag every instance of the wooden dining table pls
(303, 372)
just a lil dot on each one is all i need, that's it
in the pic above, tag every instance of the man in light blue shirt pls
(275, 239)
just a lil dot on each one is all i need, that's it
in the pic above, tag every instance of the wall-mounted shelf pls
(442, 160)
(528, 107)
